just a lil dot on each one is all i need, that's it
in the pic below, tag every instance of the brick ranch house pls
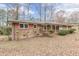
(25, 29)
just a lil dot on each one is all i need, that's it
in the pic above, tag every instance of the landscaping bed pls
(65, 32)
(45, 46)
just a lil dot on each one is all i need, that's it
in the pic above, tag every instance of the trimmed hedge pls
(51, 31)
(71, 31)
(65, 32)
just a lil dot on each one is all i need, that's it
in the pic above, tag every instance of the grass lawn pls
(57, 45)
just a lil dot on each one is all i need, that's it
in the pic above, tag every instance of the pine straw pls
(44, 46)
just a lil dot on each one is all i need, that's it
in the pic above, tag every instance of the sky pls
(64, 6)
(35, 7)
(57, 6)
(68, 6)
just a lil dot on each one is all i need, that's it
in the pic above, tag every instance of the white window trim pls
(23, 25)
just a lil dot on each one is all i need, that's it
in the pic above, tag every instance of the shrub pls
(9, 38)
(1, 32)
(5, 31)
(63, 32)
(51, 31)
(71, 31)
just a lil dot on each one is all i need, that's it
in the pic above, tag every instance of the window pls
(23, 26)
(26, 26)
(34, 26)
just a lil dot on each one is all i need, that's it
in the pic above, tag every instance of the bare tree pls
(13, 10)
(2, 17)
(59, 16)
(74, 17)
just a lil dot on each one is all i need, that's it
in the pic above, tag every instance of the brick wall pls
(23, 33)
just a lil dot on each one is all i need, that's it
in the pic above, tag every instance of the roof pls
(38, 22)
